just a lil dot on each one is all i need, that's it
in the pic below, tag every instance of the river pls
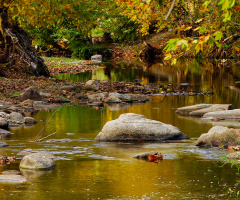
(86, 169)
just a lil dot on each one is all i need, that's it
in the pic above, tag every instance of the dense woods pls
(80, 28)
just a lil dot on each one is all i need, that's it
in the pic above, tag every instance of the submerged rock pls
(59, 140)
(219, 136)
(12, 178)
(33, 174)
(151, 157)
(23, 153)
(134, 127)
(3, 144)
(38, 161)
(11, 172)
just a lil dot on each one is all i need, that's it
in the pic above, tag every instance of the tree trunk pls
(16, 40)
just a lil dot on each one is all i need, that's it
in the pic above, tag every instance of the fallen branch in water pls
(39, 140)
(43, 129)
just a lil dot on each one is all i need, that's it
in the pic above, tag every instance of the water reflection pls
(86, 169)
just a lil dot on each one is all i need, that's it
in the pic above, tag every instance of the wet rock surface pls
(59, 140)
(234, 155)
(134, 127)
(3, 144)
(199, 110)
(23, 153)
(219, 136)
(38, 161)
(11, 172)
(12, 178)
(228, 114)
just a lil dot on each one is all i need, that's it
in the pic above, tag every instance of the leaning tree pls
(14, 40)
(16, 16)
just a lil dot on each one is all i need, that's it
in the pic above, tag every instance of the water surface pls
(94, 170)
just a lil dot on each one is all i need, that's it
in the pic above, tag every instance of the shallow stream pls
(86, 169)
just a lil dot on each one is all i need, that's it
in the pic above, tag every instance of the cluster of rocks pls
(210, 111)
(13, 119)
(29, 161)
(136, 128)
(201, 110)
(217, 136)
(48, 93)
(220, 136)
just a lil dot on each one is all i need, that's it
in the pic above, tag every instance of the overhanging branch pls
(170, 10)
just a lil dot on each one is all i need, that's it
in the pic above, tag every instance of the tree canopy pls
(208, 27)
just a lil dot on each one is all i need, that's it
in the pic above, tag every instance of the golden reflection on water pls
(107, 170)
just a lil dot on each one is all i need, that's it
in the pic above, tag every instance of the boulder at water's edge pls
(220, 136)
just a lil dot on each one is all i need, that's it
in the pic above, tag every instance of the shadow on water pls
(94, 170)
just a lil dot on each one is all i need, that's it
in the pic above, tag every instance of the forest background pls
(202, 28)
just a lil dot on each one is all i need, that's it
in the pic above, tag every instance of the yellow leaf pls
(174, 61)
(168, 56)
(204, 38)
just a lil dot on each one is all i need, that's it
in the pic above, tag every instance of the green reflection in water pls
(90, 170)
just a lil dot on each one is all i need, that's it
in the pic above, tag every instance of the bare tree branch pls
(170, 10)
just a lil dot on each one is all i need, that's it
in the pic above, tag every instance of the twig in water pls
(39, 140)
(42, 131)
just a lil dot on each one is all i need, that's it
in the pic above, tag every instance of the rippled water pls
(93, 170)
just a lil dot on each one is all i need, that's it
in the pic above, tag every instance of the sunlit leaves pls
(171, 45)
(144, 14)
(218, 35)
(80, 14)
(183, 28)
(218, 22)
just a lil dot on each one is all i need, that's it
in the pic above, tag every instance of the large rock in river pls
(220, 136)
(134, 127)
(38, 161)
